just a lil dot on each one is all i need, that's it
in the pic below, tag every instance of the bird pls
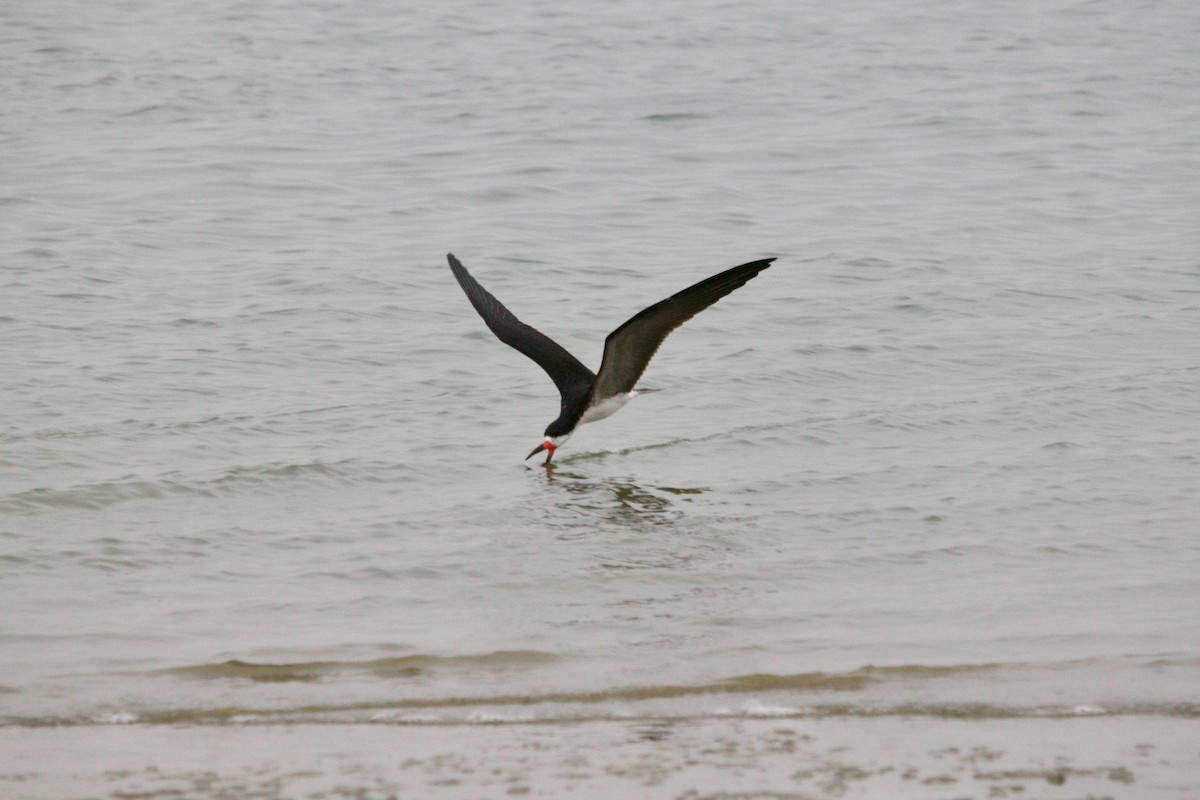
(587, 396)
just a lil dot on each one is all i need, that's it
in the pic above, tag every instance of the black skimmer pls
(587, 397)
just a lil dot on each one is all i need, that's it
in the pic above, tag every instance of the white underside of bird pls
(607, 407)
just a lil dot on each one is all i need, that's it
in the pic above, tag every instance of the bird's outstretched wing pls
(570, 376)
(629, 348)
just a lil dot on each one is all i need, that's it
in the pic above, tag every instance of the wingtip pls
(450, 257)
(756, 266)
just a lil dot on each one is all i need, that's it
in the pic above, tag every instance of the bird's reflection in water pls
(637, 526)
(620, 500)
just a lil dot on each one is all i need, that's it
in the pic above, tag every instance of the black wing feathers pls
(629, 348)
(570, 376)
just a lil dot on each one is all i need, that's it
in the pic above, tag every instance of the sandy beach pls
(1113, 757)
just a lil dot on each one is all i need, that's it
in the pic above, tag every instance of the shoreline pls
(692, 759)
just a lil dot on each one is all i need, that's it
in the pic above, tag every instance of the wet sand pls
(707, 759)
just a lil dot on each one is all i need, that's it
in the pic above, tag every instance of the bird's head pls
(549, 444)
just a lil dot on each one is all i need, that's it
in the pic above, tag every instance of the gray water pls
(261, 460)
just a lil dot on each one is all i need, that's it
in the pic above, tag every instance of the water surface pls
(260, 460)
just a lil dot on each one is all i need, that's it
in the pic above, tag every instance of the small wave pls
(600, 455)
(394, 667)
(630, 704)
(155, 108)
(259, 479)
(800, 695)
(679, 116)
(417, 665)
(519, 713)
(139, 427)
